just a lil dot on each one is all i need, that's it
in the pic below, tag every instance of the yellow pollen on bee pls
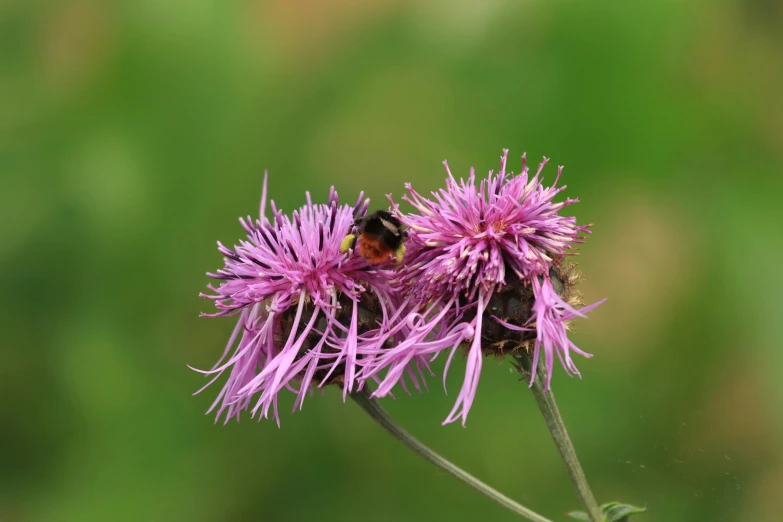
(400, 253)
(347, 243)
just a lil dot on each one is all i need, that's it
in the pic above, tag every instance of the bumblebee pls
(378, 237)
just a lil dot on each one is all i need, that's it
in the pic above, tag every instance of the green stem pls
(375, 411)
(546, 403)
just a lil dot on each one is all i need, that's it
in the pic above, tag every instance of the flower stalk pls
(374, 410)
(545, 400)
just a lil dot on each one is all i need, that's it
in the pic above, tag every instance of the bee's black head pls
(380, 223)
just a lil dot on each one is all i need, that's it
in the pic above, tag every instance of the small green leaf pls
(616, 512)
(579, 515)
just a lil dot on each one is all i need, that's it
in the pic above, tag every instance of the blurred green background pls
(133, 134)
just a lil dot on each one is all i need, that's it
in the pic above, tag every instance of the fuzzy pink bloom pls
(307, 312)
(464, 245)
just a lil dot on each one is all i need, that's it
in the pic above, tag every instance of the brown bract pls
(513, 303)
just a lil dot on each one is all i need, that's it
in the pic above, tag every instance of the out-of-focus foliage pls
(133, 134)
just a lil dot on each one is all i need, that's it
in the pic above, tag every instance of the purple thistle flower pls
(308, 313)
(484, 262)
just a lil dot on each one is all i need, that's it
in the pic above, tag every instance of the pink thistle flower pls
(483, 261)
(308, 313)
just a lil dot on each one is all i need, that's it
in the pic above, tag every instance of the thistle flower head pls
(307, 311)
(473, 251)
(470, 236)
